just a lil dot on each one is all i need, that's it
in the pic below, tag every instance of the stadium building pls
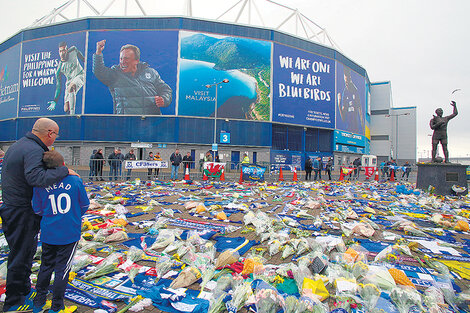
(157, 83)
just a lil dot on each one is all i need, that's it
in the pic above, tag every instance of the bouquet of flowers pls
(369, 294)
(239, 297)
(173, 246)
(268, 301)
(406, 297)
(208, 249)
(107, 265)
(274, 247)
(134, 254)
(80, 260)
(291, 305)
(186, 277)
(228, 257)
(163, 266)
(207, 275)
(218, 305)
(224, 283)
(302, 247)
(165, 237)
(116, 236)
(287, 251)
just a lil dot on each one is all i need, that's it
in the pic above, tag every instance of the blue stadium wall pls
(298, 136)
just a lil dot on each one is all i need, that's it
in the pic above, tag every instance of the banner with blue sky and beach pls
(208, 59)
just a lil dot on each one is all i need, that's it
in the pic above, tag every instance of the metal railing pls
(115, 171)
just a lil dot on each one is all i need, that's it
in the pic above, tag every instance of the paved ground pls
(332, 203)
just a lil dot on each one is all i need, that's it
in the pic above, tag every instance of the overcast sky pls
(421, 46)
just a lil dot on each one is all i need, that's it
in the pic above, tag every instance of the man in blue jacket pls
(61, 206)
(24, 169)
(317, 167)
(135, 87)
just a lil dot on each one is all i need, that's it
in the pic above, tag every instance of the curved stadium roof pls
(258, 13)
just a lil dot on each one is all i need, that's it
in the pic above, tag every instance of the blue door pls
(255, 154)
(193, 156)
(235, 160)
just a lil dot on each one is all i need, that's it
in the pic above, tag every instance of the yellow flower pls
(72, 276)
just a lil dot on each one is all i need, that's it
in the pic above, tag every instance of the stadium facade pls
(286, 98)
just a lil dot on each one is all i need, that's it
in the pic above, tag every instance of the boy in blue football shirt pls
(62, 206)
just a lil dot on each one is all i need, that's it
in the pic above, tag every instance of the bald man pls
(24, 169)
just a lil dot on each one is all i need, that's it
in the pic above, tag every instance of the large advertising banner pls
(52, 75)
(131, 72)
(304, 88)
(9, 82)
(351, 100)
(208, 59)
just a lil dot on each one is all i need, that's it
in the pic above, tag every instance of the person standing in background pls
(99, 163)
(175, 160)
(157, 158)
(329, 167)
(150, 169)
(308, 169)
(130, 156)
(187, 160)
(92, 166)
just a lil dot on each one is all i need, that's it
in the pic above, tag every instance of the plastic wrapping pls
(188, 276)
(107, 265)
(370, 294)
(227, 257)
(274, 247)
(239, 297)
(268, 301)
(134, 254)
(405, 298)
(80, 260)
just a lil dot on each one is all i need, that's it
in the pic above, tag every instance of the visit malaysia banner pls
(9, 82)
(253, 172)
(52, 75)
(145, 164)
(303, 88)
(131, 72)
(206, 60)
(214, 169)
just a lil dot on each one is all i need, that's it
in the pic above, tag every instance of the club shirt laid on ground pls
(61, 206)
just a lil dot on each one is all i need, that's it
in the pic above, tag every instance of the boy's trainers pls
(37, 309)
(67, 309)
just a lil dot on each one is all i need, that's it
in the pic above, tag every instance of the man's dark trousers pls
(21, 227)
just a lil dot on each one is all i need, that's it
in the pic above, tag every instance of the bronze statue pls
(439, 125)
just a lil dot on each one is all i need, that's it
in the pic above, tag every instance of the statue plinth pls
(442, 176)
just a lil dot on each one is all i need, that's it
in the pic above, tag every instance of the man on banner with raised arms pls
(70, 67)
(136, 88)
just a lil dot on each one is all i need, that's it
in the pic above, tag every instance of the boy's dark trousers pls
(57, 259)
(20, 226)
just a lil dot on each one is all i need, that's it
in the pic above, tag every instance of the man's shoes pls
(20, 308)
